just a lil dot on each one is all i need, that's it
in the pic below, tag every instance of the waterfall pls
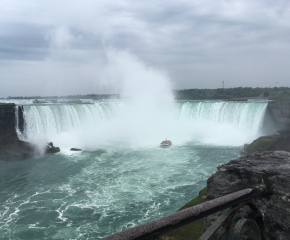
(92, 125)
(51, 120)
(240, 114)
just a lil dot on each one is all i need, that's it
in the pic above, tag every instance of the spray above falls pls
(135, 80)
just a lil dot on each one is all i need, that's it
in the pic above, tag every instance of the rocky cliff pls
(7, 122)
(275, 128)
(280, 111)
(11, 148)
(270, 168)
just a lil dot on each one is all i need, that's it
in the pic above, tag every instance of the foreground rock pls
(271, 168)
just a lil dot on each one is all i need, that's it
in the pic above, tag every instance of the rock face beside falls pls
(273, 142)
(8, 122)
(271, 168)
(280, 111)
(11, 148)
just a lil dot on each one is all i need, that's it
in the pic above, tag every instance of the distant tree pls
(266, 94)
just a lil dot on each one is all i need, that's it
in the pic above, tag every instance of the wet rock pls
(52, 149)
(76, 149)
(271, 168)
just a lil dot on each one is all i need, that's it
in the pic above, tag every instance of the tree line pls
(87, 96)
(229, 93)
(191, 94)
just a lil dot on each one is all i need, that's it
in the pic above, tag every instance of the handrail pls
(188, 215)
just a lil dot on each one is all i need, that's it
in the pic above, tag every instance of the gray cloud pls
(50, 43)
(23, 41)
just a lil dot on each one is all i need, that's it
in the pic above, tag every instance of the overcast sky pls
(53, 47)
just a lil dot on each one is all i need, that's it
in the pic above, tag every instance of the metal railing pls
(226, 227)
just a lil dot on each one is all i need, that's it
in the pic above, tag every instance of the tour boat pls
(166, 143)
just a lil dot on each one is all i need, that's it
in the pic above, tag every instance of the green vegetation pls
(273, 142)
(229, 93)
(191, 231)
(283, 95)
(264, 143)
(199, 199)
(88, 96)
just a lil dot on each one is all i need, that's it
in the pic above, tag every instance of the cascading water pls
(105, 122)
(241, 115)
(17, 123)
(51, 120)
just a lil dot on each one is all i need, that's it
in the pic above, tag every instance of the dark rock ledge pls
(11, 148)
(15, 150)
(271, 168)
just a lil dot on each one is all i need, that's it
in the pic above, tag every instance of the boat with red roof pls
(166, 143)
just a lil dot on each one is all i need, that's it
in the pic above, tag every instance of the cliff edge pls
(270, 168)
